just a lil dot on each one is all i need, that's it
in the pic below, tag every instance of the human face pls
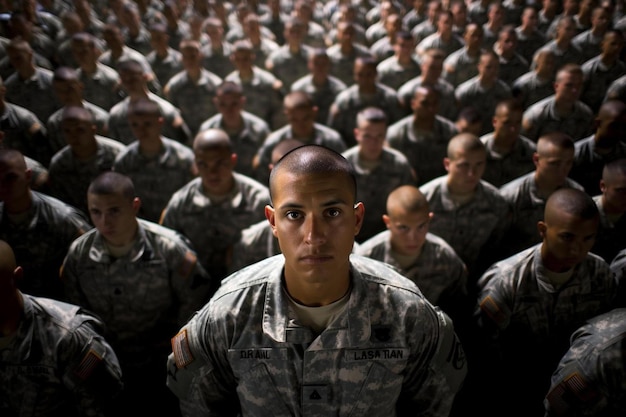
(242, 60)
(614, 193)
(301, 120)
(488, 67)
(229, 106)
(507, 124)
(566, 241)
(133, 79)
(404, 47)
(320, 66)
(145, 126)
(566, 31)
(365, 75)
(612, 45)
(567, 87)
(83, 52)
(530, 19)
(192, 58)
(408, 230)
(465, 171)
(114, 216)
(610, 130)
(14, 181)
(215, 167)
(78, 134)
(473, 36)
(425, 105)
(546, 65)
(508, 43)
(67, 91)
(315, 221)
(371, 138)
(553, 164)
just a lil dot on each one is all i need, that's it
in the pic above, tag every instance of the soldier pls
(134, 81)
(22, 130)
(247, 132)
(469, 214)
(423, 136)
(192, 90)
(565, 51)
(529, 38)
(594, 367)
(54, 359)
(289, 62)
(509, 154)
(379, 169)
(301, 113)
(365, 92)
(38, 227)
(512, 64)
(319, 84)
(276, 312)
(604, 145)
(538, 83)
(101, 84)
(527, 194)
(344, 53)
(443, 39)
(263, 91)
(68, 90)
(561, 112)
(222, 201)
(85, 156)
(590, 40)
(164, 60)
(142, 280)
(611, 237)
(423, 257)
(529, 305)
(485, 90)
(403, 65)
(157, 166)
(462, 64)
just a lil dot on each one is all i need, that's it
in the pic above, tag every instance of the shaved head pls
(572, 201)
(7, 259)
(463, 143)
(12, 158)
(407, 198)
(212, 139)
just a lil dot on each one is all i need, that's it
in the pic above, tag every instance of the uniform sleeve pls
(91, 370)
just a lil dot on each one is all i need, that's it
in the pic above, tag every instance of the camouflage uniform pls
(447, 101)
(459, 67)
(34, 94)
(527, 208)
(158, 177)
(501, 169)
(165, 68)
(343, 65)
(527, 45)
(194, 99)
(542, 115)
(54, 130)
(40, 242)
(394, 75)
(572, 55)
(527, 322)
(435, 40)
(245, 143)
(142, 298)
(119, 126)
(373, 187)
(101, 88)
(438, 271)
(485, 100)
(590, 378)
(221, 223)
(289, 67)
(57, 364)
(25, 132)
(511, 69)
(350, 102)
(262, 51)
(475, 229)
(322, 135)
(424, 150)
(263, 95)
(597, 79)
(529, 89)
(617, 89)
(588, 164)
(70, 177)
(388, 353)
(218, 61)
(611, 236)
(257, 242)
(323, 95)
(589, 44)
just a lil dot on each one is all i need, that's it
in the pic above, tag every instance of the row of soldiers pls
(196, 122)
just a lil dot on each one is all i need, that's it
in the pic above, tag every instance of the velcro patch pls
(571, 392)
(180, 347)
(493, 311)
(189, 262)
(87, 365)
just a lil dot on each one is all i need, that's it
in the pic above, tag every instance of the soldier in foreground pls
(339, 335)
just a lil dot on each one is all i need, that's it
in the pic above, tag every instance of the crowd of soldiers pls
(138, 138)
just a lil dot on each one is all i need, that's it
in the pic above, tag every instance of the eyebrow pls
(289, 204)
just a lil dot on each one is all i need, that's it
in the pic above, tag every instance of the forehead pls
(470, 156)
(211, 154)
(103, 201)
(300, 188)
(563, 221)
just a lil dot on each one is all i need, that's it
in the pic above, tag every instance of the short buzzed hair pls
(144, 107)
(314, 159)
(571, 201)
(77, 113)
(409, 198)
(558, 139)
(615, 168)
(464, 142)
(212, 139)
(112, 183)
(372, 115)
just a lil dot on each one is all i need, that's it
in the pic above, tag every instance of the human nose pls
(315, 232)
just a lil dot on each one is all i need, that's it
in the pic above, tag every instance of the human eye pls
(567, 237)
(333, 212)
(292, 215)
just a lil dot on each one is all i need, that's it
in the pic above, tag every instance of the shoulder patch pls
(180, 347)
(187, 265)
(492, 310)
(88, 364)
(570, 393)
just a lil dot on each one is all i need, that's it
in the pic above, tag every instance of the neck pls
(11, 311)
(19, 205)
